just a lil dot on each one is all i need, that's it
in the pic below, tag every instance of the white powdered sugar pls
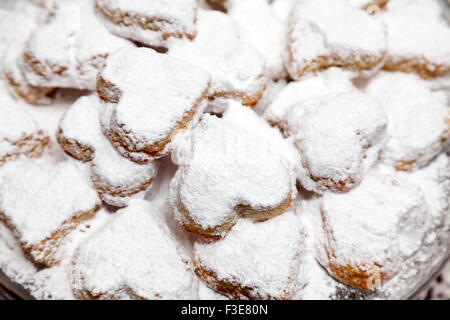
(154, 96)
(326, 33)
(255, 260)
(339, 138)
(237, 69)
(257, 24)
(145, 263)
(38, 200)
(69, 50)
(149, 22)
(331, 81)
(434, 180)
(419, 119)
(417, 37)
(225, 217)
(19, 132)
(13, 37)
(227, 163)
(115, 177)
(369, 232)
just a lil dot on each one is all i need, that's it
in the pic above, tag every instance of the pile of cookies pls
(244, 149)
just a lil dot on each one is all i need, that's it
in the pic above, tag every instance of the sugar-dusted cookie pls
(149, 22)
(256, 260)
(69, 51)
(133, 256)
(331, 81)
(257, 24)
(232, 167)
(419, 119)
(369, 232)
(339, 137)
(417, 38)
(237, 69)
(41, 203)
(154, 98)
(115, 177)
(19, 133)
(13, 36)
(325, 33)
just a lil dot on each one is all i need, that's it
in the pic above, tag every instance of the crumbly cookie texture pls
(369, 232)
(115, 177)
(114, 263)
(339, 137)
(331, 81)
(232, 167)
(419, 119)
(327, 33)
(417, 38)
(13, 36)
(69, 51)
(149, 22)
(19, 132)
(155, 97)
(41, 203)
(237, 69)
(249, 263)
(257, 24)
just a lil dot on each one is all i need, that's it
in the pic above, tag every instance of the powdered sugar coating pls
(41, 202)
(255, 260)
(149, 22)
(154, 97)
(325, 33)
(257, 24)
(237, 70)
(370, 231)
(115, 263)
(229, 167)
(115, 177)
(331, 81)
(69, 50)
(339, 137)
(417, 38)
(434, 180)
(13, 36)
(419, 119)
(19, 132)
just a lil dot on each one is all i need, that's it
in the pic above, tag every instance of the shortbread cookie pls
(41, 203)
(232, 167)
(132, 257)
(369, 232)
(115, 177)
(419, 119)
(331, 81)
(417, 38)
(257, 24)
(339, 138)
(237, 69)
(326, 33)
(69, 51)
(19, 133)
(257, 260)
(149, 22)
(13, 36)
(155, 97)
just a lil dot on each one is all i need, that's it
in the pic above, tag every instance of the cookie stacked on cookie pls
(255, 149)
